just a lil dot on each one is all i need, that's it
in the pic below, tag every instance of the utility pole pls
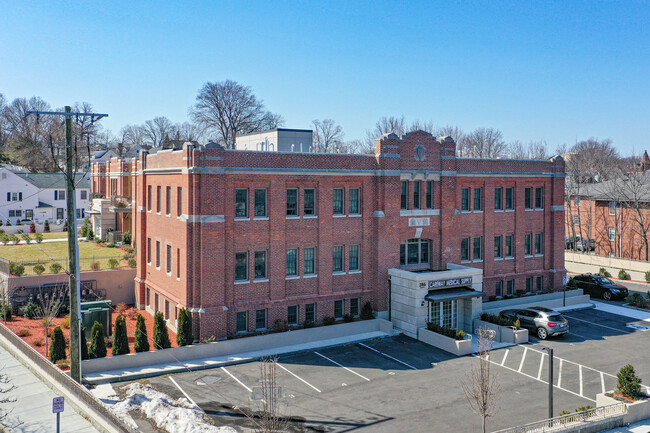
(73, 244)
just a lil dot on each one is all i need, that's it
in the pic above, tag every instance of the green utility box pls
(100, 311)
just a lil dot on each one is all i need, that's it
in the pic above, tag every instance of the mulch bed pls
(36, 337)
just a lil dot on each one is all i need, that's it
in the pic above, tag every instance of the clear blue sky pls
(557, 71)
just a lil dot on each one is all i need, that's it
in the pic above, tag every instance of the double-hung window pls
(354, 258)
(260, 264)
(168, 201)
(354, 201)
(260, 319)
(464, 199)
(405, 194)
(310, 260)
(498, 199)
(498, 288)
(478, 248)
(310, 313)
(464, 249)
(292, 262)
(528, 198)
(498, 251)
(612, 234)
(179, 201)
(510, 288)
(612, 208)
(242, 321)
(337, 256)
(510, 203)
(157, 254)
(292, 315)
(478, 199)
(338, 202)
(430, 194)
(292, 202)
(416, 194)
(158, 198)
(528, 241)
(338, 308)
(149, 197)
(539, 197)
(539, 243)
(169, 259)
(510, 246)
(260, 202)
(309, 202)
(241, 266)
(354, 306)
(241, 203)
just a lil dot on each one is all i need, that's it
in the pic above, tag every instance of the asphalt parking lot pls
(400, 384)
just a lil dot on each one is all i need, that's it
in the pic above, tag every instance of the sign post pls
(57, 408)
(564, 284)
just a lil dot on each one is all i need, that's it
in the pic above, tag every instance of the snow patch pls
(173, 416)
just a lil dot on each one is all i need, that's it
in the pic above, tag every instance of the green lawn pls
(43, 253)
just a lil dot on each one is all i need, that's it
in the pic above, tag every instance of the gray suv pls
(543, 321)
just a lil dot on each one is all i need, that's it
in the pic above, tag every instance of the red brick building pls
(615, 214)
(248, 238)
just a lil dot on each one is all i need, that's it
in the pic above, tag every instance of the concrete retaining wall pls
(13, 229)
(503, 334)
(548, 300)
(231, 347)
(451, 345)
(118, 283)
(584, 263)
(637, 411)
(75, 394)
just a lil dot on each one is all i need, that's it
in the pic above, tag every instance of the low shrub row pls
(457, 334)
(498, 320)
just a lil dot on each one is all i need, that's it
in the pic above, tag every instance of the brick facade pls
(204, 234)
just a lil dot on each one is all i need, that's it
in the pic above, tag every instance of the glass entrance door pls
(444, 313)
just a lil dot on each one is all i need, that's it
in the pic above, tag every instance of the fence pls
(570, 421)
(85, 263)
(93, 408)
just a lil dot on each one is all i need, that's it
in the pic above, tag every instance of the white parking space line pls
(342, 366)
(505, 355)
(297, 377)
(540, 380)
(559, 374)
(388, 356)
(523, 358)
(598, 324)
(541, 365)
(602, 382)
(183, 391)
(580, 374)
(236, 380)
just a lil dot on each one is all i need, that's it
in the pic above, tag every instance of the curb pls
(183, 369)
(577, 307)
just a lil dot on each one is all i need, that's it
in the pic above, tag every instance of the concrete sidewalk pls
(637, 427)
(634, 313)
(220, 361)
(33, 405)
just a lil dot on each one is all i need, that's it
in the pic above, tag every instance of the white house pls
(39, 196)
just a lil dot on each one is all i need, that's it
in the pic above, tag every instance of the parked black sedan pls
(598, 286)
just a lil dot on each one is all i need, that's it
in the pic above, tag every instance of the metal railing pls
(564, 422)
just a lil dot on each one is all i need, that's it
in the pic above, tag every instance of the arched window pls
(414, 252)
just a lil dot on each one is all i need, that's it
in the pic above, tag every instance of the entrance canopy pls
(452, 294)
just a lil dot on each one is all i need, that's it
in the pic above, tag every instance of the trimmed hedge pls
(457, 334)
(498, 320)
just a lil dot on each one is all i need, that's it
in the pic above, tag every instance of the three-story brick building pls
(250, 239)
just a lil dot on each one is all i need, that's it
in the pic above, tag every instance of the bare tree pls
(158, 129)
(385, 125)
(230, 109)
(271, 418)
(485, 143)
(51, 304)
(328, 136)
(481, 386)
(534, 150)
(633, 194)
(188, 131)
(419, 125)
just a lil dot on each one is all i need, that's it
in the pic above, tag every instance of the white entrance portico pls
(450, 297)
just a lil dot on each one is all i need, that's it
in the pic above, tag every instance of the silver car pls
(543, 321)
